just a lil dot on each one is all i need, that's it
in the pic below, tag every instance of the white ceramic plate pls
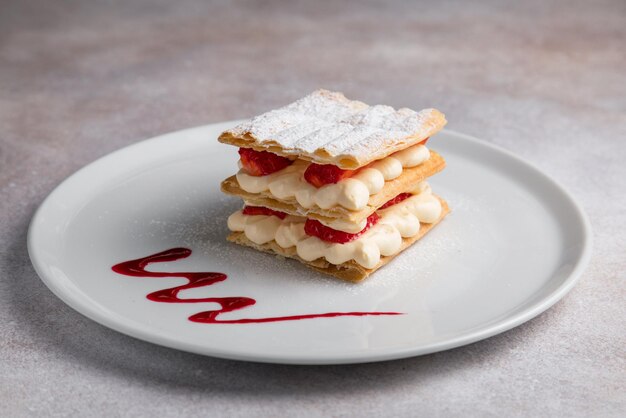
(514, 244)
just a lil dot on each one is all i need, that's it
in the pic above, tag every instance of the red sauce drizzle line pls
(137, 268)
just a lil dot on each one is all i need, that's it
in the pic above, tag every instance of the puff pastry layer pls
(349, 271)
(392, 188)
(327, 128)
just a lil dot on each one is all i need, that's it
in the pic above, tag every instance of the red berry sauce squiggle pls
(137, 268)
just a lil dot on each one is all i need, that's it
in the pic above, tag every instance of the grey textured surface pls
(544, 79)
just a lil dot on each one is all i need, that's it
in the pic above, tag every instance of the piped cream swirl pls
(401, 220)
(351, 193)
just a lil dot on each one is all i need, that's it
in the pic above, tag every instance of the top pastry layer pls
(327, 128)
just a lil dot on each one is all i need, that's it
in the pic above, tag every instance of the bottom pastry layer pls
(350, 271)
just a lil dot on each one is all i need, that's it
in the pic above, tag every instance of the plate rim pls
(507, 323)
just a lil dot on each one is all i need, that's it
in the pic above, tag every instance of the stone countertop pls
(545, 80)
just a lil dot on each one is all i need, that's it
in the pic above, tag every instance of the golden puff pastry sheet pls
(409, 178)
(327, 128)
(349, 271)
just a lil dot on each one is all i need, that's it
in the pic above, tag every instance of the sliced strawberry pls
(424, 141)
(260, 210)
(262, 163)
(397, 199)
(317, 229)
(321, 174)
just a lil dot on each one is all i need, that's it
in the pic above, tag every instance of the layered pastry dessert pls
(334, 183)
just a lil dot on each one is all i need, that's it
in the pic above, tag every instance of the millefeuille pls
(335, 183)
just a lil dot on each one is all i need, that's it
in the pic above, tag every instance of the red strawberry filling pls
(317, 229)
(262, 163)
(397, 199)
(260, 210)
(321, 174)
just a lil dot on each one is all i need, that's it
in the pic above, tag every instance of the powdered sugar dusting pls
(326, 124)
(358, 134)
(310, 143)
(304, 130)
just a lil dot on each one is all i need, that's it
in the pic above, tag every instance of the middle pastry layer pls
(288, 192)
